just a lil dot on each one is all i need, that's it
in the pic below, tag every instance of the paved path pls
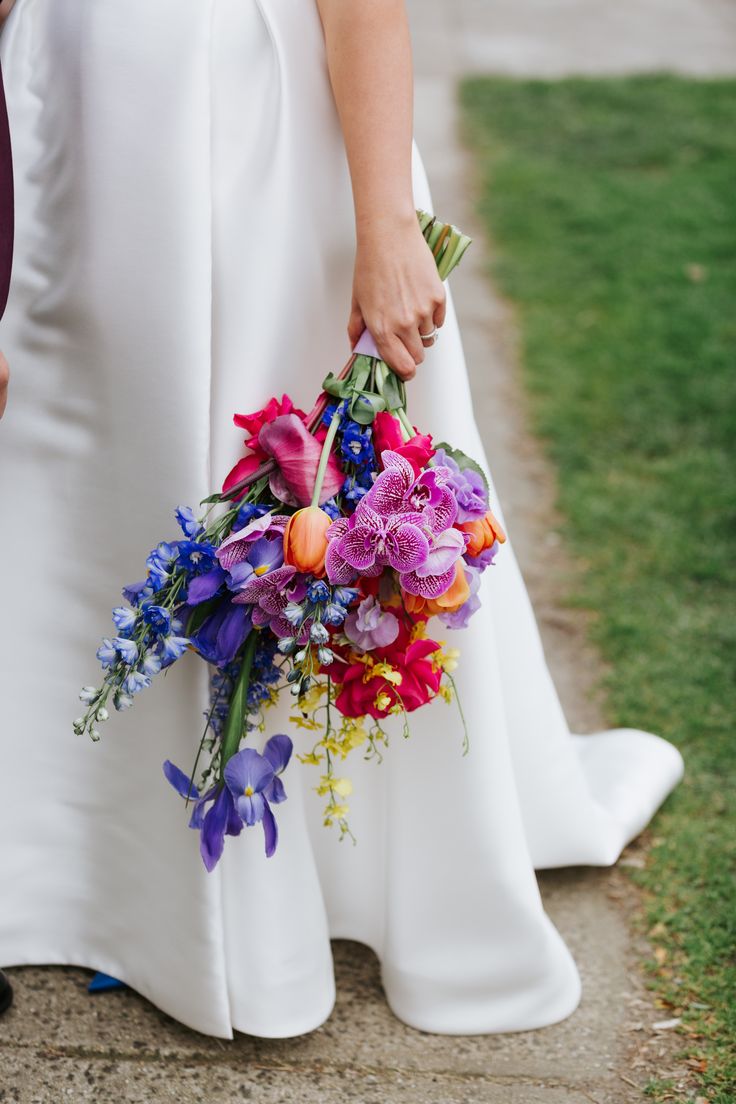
(59, 1044)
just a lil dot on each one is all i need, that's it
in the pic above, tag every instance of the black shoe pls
(6, 993)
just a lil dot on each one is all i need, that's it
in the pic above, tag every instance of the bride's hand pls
(397, 293)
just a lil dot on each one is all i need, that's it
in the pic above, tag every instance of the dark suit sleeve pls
(6, 201)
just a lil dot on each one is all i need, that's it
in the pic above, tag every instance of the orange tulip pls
(483, 533)
(455, 596)
(305, 542)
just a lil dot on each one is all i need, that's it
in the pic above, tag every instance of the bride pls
(188, 243)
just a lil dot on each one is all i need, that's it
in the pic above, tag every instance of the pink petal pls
(429, 587)
(442, 515)
(412, 548)
(445, 551)
(356, 547)
(339, 571)
(297, 454)
(244, 467)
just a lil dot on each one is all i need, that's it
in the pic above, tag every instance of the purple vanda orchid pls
(437, 573)
(396, 490)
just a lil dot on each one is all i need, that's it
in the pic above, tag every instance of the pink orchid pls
(437, 573)
(372, 541)
(297, 454)
(397, 490)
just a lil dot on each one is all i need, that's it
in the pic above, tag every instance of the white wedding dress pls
(184, 250)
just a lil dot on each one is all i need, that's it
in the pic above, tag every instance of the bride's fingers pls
(356, 324)
(427, 327)
(393, 350)
(439, 313)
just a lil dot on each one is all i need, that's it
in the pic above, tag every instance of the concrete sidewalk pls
(60, 1044)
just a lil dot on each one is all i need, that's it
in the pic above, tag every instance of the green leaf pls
(464, 462)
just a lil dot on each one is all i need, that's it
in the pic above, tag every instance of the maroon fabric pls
(6, 202)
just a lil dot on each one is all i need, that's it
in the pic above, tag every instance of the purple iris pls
(252, 785)
(467, 485)
(219, 638)
(213, 823)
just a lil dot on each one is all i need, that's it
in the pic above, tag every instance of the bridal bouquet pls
(317, 568)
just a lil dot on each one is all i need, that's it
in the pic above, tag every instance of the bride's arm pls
(5, 6)
(397, 293)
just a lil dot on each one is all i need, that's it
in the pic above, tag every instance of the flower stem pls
(238, 704)
(406, 425)
(324, 457)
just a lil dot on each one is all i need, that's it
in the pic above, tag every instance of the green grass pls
(611, 206)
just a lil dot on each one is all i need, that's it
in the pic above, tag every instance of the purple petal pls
(442, 514)
(234, 628)
(270, 830)
(180, 781)
(357, 547)
(339, 571)
(251, 808)
(409, 548)
(445, 551)
(278, 752)
(205, 586)
(275, 791)
(247, 770)
(263, 586)
(394, 461)
(430, 586)
(387, 494)
(237, 545)
(212, 838)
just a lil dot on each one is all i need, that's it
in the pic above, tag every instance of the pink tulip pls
(297, 454)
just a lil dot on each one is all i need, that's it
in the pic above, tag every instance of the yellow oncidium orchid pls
(313, 697)
(384, 671)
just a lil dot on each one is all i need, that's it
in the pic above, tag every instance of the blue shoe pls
(103, 983)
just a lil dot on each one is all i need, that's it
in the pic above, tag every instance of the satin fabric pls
(184, 250)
